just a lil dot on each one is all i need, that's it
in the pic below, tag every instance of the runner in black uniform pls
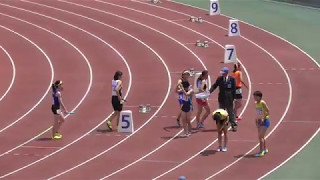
(55, 108)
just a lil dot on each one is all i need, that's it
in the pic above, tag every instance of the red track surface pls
(149, 85)
(40, 77)
(6, 71)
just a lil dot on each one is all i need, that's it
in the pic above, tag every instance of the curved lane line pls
(152, 151)
(317, 64)
(159, 147)
(52, 75)
(281, 38)
(294, 154)
(89, 86)
(281, 119)
(167, 94)
(136, 39)
(13, 73)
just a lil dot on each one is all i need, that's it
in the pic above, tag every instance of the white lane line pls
(40, 147)
(13, 73)
(138, 106)
(49, 87)
(130, 75)
(249, 141)
(302, 69)
(294, 154)
(168, 74)
(160, 161)
(159, 147)
(230, 17)
(292, 4)
(90, 84)
(281, 38)
(302, 122)
(290, 92)
(177, 20)
(287, 76)
(159, 57)
(89, 66)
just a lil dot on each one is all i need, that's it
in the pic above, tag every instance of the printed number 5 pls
(231, 53)
(215, 7)
(125, 120)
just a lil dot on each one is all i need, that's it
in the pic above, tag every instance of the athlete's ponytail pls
(55, 85)
(203, 73)
(236, 67)
(53, 88)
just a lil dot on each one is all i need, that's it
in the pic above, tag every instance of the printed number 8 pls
(214, 7)
(234, 27)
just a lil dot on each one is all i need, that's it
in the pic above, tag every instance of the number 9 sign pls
(214, 7)
(125, 122)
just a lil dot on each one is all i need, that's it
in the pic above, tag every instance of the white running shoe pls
(219, 149)
(224, 149)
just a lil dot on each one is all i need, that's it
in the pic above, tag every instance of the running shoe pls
(201, 125)
(109, 124)
(178, 123)
(265, 151)
(219, 149)
(238, 118)
(184, 135)
(224, 149)
(57, 136)
(198, 125)
(260, 154)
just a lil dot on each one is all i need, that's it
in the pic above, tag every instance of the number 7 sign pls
(230, 55)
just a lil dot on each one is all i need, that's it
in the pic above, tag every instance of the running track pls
(130, 36)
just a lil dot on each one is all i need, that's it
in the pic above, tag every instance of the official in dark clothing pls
(227, 91)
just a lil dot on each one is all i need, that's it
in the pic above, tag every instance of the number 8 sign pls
(125, 122)
(234, 29)
(214, 7)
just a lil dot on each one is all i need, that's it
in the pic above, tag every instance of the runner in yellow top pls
(221, 117)
(262, 122)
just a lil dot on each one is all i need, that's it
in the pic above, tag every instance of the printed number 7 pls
(125, 120)
(231, 53)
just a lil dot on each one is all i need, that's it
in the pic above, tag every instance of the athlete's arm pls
(58, 94)
(264, 105)
(240, 74)
(119, 85)
(178, 87)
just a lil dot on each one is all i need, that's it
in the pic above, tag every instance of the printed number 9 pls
(214, 7)
(125, 120)
(234, 27)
